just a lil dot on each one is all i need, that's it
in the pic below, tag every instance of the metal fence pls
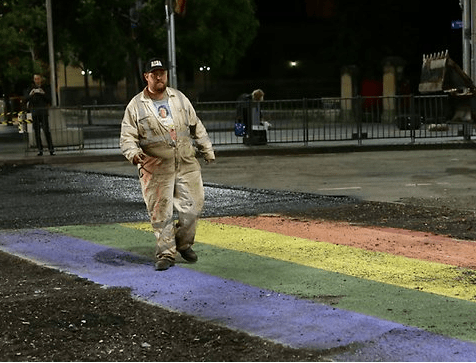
(291, 121)
(337, 119)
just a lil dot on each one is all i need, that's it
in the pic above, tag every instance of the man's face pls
(156, 80)
(37, 79)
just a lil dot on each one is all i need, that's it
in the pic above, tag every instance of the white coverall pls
(171, 174)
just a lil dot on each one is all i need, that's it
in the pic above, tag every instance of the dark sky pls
(324, 35)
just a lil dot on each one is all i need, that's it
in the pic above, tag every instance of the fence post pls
(413, 121)
(467, 131)
(358, 117)
(305, 121)
(88, 113)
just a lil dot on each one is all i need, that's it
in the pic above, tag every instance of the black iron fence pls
(337, 119)
(286, 121)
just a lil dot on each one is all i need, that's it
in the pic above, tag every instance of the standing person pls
(38, 100)
(248, 111)
(248, 118)
(158, 133)
(257, 96)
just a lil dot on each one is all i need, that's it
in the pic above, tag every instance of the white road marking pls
(425, 184)
(344, 188)
(417, 184)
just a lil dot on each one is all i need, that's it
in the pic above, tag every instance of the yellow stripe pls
(401, 271)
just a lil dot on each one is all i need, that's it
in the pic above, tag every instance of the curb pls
(266, 150)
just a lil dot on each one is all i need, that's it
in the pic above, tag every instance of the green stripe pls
(401, 271)
(436, 313)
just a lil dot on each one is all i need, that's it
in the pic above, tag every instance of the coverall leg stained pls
(164, 191)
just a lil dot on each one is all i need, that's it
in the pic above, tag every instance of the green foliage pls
(217, 34)
(108, 36)
(212, 32)
(23, 43)
(96, 35)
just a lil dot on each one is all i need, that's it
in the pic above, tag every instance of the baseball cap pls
(153, 64)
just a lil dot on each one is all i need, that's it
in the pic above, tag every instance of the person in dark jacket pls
(249, 123)
(248, 111)
(38, 100)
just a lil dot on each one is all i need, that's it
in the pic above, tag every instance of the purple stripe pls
(283, 318)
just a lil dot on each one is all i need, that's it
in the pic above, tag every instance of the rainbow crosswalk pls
(363, 291)
(429, 295)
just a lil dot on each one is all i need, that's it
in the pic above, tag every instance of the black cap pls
(153, 64)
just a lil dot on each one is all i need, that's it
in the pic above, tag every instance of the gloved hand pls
(139, 158)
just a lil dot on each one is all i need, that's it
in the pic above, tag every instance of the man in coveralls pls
(158, 134)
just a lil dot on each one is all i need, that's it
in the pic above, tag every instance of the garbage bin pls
(256, 136)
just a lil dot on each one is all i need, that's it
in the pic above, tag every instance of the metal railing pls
(337, 119)
(293, 121)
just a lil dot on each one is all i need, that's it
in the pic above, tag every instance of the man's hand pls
(139, 158)
(37, 90)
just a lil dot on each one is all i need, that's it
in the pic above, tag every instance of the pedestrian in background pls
(248, 111)
(38, 100)
(159, 133)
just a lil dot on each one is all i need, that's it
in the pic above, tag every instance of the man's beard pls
(160, 87)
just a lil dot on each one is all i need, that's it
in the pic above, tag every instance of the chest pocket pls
(150, 132)
(143, 127)
(190, 129)
(148, 125)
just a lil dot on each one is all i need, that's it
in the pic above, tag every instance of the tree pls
(23, 43)
(212, 32)
(109, 36)
(94, 35)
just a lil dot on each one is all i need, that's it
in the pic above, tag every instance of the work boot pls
(189, 255)
(163, 264)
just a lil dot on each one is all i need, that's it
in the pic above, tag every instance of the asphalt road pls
(436, 176)
(241, 185)
(389, 176)
(43, 195)
(443, 175)
(95, 193)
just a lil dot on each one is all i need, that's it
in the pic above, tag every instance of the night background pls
(322, 36)
(298, 50)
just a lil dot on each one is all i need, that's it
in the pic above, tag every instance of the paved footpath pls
(244, 281)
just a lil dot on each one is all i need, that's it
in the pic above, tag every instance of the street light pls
(169, 19)
(51, 53)
(293, 64)
(204, 76)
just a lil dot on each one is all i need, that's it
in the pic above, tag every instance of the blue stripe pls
(282, 318)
